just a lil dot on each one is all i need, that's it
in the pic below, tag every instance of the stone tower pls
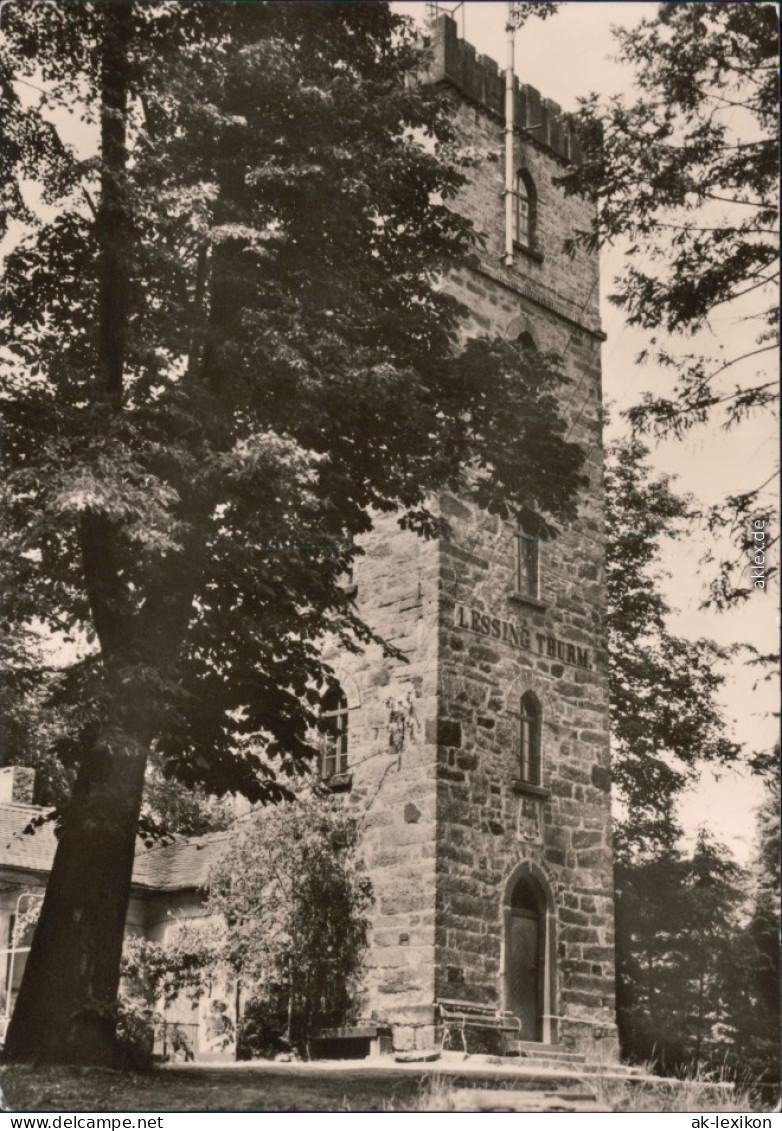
(479, 769)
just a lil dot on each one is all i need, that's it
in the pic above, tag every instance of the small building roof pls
(181, 866)
(32, 852)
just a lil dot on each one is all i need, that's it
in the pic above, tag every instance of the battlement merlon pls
(482, 80)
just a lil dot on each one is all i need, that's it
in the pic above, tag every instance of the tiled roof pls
(178, 866)
(175, 867)
(19, 850)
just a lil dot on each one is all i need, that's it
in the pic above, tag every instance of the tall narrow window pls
(334, 728)
(525, 211)
(527, 563)
(529, 739)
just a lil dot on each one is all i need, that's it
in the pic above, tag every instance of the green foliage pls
(156, 974)
(31, 727)
(687, 173)
(666, 721)
(520, 11)
(27, 916)
(153, 977)
(757, 995)
(700, 68)
(293, 897)
(285, 921)
(678, 965)
(171, 807)
(135, 1037)
(690, 971)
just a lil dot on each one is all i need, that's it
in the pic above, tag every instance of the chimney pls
(16, 785)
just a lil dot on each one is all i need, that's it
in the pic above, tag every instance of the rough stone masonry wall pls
(485, 826)
(392, 771)
(433, 742)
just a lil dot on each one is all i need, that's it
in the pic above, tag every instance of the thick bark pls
(66, 1009)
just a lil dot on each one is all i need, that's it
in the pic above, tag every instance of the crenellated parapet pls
(482, 80)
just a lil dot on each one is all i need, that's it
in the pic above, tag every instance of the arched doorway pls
(527, 950)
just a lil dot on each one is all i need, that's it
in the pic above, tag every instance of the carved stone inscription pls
(519, 636)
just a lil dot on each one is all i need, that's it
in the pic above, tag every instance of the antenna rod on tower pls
(509, 164)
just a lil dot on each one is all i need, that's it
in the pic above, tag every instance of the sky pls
(568, 56)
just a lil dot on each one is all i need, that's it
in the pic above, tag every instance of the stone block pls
(566, 915)
(601, 778)
(445, 773)
(593, 858)
(443, 732)
(581, 839)
(403, 1037)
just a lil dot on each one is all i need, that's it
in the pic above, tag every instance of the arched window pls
(527, 563)
(334, 728)
(529, 739)
(525, 213)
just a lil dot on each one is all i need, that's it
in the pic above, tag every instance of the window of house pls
(525, 210)
(14, 958)
(334, 730)
(529, 739)
(527, 563)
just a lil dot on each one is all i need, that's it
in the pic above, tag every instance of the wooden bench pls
(468, 1015)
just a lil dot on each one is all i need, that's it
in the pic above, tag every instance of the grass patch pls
(447, 1095)
(306, 1088)
(37, 1088)
(689, 1095)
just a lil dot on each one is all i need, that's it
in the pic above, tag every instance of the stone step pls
(505, 1099)
(533, 1051)
(542, 1067)
(596, 1068)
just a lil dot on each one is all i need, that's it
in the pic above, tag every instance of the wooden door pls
(523, 971)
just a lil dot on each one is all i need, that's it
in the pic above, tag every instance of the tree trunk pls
(66, 1009)
(238, 1010)
(699, 1021)
(289, 1034)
